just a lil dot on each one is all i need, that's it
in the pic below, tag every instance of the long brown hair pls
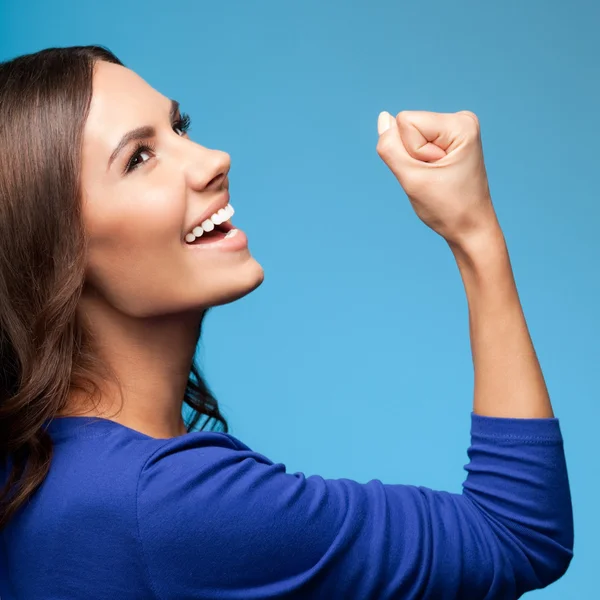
(45, 352)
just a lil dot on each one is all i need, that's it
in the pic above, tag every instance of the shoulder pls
(200, 449)
(212, 512)
(190, 463)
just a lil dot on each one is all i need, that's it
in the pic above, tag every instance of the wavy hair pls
(45, 350)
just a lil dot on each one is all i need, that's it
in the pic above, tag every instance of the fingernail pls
(384, 122)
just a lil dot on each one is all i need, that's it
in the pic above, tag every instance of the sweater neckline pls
(85, 427)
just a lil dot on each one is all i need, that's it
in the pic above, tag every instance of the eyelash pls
(184, 123)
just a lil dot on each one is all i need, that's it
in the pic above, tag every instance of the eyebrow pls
(140, 133)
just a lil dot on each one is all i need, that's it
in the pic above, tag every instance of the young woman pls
(115, 239)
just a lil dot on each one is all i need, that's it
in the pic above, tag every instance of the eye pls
(183, 123)
(140, 149)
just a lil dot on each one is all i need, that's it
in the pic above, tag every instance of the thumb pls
(389, 146)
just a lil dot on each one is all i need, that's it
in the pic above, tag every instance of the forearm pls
(508, 378)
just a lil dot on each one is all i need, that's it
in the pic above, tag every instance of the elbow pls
(558, 549)
(547, 557)
(554, 564)
(538, 555)
(563, 563)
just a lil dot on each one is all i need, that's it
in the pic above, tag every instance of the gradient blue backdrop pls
(353, 358)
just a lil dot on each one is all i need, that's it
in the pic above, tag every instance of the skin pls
(145, 290)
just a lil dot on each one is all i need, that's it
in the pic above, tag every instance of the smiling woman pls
(127, 183)
(115, 240)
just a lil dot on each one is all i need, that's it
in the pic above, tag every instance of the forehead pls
(121, 100)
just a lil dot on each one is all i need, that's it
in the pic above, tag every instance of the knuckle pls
(473, 118)
(403, 115)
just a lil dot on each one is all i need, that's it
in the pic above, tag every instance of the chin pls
(245, 283)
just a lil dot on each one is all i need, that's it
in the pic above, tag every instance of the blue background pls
(353, 359)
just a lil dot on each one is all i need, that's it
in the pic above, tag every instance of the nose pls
(208, 169)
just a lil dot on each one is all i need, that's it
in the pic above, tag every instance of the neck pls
(151, 358)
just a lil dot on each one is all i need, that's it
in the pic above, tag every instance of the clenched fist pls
(438, 160)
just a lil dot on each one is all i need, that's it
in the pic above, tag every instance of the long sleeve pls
(217, 520)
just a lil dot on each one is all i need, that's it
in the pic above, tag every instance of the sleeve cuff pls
(535, 430)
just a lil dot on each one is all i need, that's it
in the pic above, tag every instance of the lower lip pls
(239, 241)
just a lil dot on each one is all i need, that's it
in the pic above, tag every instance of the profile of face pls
(141, 203)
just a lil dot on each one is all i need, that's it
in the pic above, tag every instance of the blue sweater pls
(124, 516)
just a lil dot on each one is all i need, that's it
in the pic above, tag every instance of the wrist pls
(481, 249)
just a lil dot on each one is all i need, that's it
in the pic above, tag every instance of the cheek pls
(139, 217)
(129, 236)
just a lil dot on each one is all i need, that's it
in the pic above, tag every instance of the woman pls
(116, 238)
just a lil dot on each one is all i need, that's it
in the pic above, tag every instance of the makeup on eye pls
(183, 123)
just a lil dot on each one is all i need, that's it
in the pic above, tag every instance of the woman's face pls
(139, 206)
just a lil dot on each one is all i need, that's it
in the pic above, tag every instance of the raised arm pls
(438, 159)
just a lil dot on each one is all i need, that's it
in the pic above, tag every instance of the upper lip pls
(221, 202)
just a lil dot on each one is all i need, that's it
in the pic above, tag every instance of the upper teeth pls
(219, 217)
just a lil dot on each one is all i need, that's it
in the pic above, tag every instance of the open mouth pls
(212, 229)
(218, 233)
